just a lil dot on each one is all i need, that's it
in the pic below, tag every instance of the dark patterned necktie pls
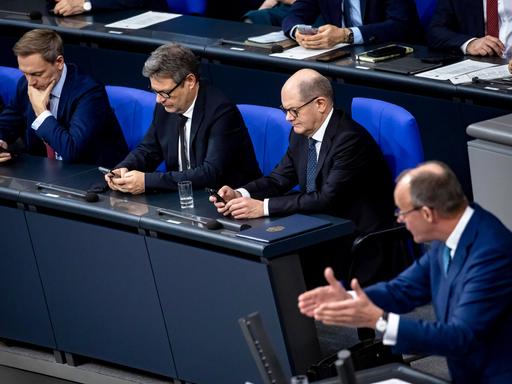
(492, 18)
(185, 164)
(346, 14)
(311, 167)
(447, 259)
(50, 152)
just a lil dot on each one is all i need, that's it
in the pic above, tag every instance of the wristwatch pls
(87, 6)
(382, 323)
(350, 36)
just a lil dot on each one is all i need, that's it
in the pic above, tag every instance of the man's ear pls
(321, 103)
(60, 62)
(191, 80)
(429, 214)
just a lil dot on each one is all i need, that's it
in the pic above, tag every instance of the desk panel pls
(101, 293)
(23, 312)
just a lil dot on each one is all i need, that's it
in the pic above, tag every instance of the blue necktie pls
(447, 259)
(346, 14)
(311, 167)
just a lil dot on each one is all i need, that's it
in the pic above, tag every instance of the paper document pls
(392, 381)
(496, 72)
(300, 53)
(453, 70)
(272, 37)
(143, 20)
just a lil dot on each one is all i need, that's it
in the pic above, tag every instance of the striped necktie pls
(311, 166)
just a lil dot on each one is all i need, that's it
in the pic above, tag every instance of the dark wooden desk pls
(116, 281)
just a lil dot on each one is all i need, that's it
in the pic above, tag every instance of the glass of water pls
(300, 379)
(186, 195)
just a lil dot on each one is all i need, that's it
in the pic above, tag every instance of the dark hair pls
(173, 61)
(439, 190)
(45, 42)
(314, 86)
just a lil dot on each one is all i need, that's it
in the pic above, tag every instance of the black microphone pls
(34, 15)
(276, 48)
(208, 223)
(345, 368)
(90, 197)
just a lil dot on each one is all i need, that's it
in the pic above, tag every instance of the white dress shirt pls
(188, 114)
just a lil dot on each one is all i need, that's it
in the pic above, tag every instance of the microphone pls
(345, 367)
(33, 15)
(232, 225)
(208, 223)
(90, 197)
(276, 48)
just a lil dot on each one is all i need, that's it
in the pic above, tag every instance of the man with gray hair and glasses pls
(466, 274)
(196, 130)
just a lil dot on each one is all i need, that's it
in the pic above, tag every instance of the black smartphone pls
(213, 192)
(108, 172)
(3, 150)
(333, 55)
(387, 51)
(307, 29)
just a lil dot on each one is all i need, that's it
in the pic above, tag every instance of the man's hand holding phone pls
(5, 155)
(326, 36)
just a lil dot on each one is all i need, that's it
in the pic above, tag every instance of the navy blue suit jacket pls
(221, 150)
(352, 179)
(473, 304)
(383, 20)
(84, 131)
(455, 22)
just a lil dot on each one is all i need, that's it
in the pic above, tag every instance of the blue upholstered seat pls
(425, 9)
(269, 132)
(187, 7)
(394, 129)
(8, 81)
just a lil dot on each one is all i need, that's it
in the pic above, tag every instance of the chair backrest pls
(394, 129)
(134, 111)
(187, 7)
(8, 81)
(269, 133)
(425, 9)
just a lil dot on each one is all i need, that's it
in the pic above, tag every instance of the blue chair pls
(269, 133)
(9, 80)
(187, 7)
(134, 111)
(394, 129)
(425, 9)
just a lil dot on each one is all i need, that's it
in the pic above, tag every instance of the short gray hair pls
(171, 61)
(315, 86)
(438, 190)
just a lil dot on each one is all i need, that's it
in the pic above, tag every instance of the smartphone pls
(108, 172)
(3, 150)
(307, 29)
(387, 51)
(333, 55)
(213, 192)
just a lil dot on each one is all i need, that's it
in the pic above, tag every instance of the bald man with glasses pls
(336, 163)
(196, 130)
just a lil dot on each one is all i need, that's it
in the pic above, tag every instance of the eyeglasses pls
(167, 94)
(295, 111)
(402, 214)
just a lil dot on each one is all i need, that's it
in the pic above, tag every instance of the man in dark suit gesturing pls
(197, 131)
(59, 112)
(335, 161)
(466, 274)
(353, 22)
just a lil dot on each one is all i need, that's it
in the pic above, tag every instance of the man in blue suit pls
(462, 27)
(353, 22)
(58, 112)
(466, 274)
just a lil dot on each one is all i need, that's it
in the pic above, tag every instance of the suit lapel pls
(459, 259)
(363, 9)
(66, 91)
(330, 132)
(173, 144)
(197, 119)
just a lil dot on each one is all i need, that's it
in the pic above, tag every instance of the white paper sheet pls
(392, 381)
(272, 37)
(300, 53)
(143, 20)
(496, 72)
(453, 70)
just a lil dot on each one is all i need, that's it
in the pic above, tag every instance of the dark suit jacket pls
(85, 130)
(473, 304)
(221, 150)
(455, 22)
(353, 180)
(383, 20)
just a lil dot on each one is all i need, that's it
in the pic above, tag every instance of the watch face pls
(87, 6)
(381, 325)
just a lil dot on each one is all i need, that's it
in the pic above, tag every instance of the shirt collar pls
(320, 132)
(57, 89)
(189, 112)
(453, 240)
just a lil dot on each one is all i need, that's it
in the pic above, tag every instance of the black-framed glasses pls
(402, 214)
(167, 94)
(295, 111)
